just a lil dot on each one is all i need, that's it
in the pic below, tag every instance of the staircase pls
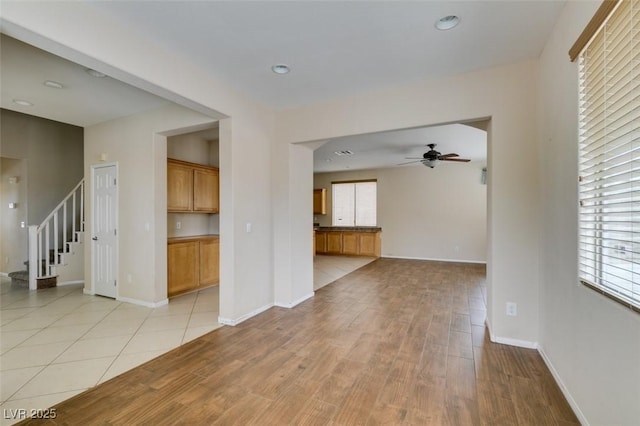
(56, 254)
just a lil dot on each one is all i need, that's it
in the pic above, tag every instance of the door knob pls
(95, 238)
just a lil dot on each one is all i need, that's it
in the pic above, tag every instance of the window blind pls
(609, 145)
(354, 203)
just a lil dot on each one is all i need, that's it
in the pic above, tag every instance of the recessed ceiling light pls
(280, 69)
(447, 22)
(95, 73)
(53, 84)
(22, 102)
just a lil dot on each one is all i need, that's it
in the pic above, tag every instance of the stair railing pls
(48, 241)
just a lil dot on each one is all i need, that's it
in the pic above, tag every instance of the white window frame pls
(337, 218)
(609, 158)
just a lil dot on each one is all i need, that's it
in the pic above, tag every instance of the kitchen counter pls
(348, 229)
(190, 238)
(348, 240)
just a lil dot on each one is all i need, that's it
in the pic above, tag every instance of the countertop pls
(193, 238)
(348, 228)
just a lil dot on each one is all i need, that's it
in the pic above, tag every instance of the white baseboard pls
(88, 291)
(70, 282)
(572, 402)
(229, 321)
(4, 274)
(480, 262)
(295, 302)
(509, 341)
(142, 302)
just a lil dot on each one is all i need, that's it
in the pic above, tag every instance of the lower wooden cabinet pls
(334, 242)
(209, 262)
(350, 243)
(192, 263)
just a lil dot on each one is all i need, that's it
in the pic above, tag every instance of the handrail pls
(69, 195)
(45, 257)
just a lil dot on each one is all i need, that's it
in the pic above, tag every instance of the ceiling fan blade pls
(461, 160)
(409, 162)
(448, 156)
(413, 158)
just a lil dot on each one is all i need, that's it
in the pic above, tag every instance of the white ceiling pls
(84, 100)
(334, 49)
(390, 149)
(338, 48)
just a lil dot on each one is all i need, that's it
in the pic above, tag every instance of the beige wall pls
(266, 180)
(135, 143)
(425, 213)
(52, 154)
(592, 343)
(507, 95)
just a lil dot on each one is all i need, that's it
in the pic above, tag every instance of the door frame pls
(94, 167)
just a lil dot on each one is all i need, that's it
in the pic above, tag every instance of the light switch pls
(178, 225)
(248, 227)
(13, 205)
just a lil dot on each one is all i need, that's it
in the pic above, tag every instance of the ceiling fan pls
(433, 157)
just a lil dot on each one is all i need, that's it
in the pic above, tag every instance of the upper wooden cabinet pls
(192, 187)
(320, 201)
(179, 187)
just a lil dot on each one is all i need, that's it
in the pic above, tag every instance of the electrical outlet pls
(178, 225)
(512, 309)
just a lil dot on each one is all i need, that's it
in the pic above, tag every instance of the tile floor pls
(58, 342)
(327, 269)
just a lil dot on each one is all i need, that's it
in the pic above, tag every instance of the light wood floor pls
(395, 342)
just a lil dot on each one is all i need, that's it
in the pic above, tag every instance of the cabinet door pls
(179, 187)
(334, 242)
(320, 201)
(369, 244)
(321, 242)
(209, 262)
(182, 265)
(205, 190)
(350, 243)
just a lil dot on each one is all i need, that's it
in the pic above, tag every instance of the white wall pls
(507, 95)
(79, 33)
(140, 153)
(592, 342)
(425, 213)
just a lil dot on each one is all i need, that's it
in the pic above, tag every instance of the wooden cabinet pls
(192, 263)
(209, 262)
(369, 244)
(320, 201)
(192, 187)
(205, 190)
(182, 267)
(349, 243)
(179, 187)
(321, 241)
(334, 242)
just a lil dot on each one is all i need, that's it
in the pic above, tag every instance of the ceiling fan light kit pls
(432, 158)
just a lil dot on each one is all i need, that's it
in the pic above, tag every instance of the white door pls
(104, 228)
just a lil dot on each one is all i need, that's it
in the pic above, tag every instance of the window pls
(609, 143)
(354, 203)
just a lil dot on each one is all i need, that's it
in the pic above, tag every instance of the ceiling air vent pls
(344, 152)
